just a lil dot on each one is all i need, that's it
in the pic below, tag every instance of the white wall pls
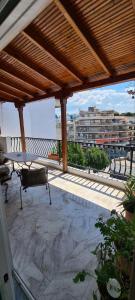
(9, 120)
(42, 116)
(39, 119)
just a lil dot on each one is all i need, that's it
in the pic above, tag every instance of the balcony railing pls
(122, 158)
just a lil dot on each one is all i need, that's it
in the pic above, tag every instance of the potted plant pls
(112, 275)
(53, 155)
(111, 282)
(129, 201)
(114, 231)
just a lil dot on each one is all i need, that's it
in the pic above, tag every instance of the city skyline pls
(106, 98)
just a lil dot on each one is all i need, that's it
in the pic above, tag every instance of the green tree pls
(75, 155)
(96, 158)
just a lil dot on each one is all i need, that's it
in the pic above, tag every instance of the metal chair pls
(32, 178)
(4, 177)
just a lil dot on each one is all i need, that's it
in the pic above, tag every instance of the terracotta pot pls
(53, 156)
(128, 215)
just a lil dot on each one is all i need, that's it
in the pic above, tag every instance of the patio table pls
(21, 158)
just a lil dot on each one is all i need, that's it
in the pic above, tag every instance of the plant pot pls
(105, 296)
(128, 215)
(53, 156)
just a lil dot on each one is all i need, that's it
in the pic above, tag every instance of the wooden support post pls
(22, 131)
(63, 102)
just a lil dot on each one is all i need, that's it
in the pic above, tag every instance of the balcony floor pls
(51, 243)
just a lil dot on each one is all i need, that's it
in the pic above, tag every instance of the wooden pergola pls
(71, 46)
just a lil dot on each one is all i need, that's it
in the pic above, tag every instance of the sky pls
(105, 98)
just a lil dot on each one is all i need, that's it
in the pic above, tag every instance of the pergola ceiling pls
(71, 46)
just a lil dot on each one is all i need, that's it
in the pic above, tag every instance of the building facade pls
(99, 126)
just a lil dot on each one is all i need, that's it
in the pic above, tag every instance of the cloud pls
(104, 98)
(99, 101)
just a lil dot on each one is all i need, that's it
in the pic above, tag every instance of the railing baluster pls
(125, 166)
(131, 160)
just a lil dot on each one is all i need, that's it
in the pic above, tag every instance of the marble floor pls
(50, 244)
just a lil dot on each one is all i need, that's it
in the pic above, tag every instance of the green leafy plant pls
(105, 271)
(118, 241)
(119, 235)
(129, 201)
(54, 150)
(96, 158)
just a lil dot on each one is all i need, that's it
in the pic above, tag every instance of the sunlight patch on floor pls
(88, 194)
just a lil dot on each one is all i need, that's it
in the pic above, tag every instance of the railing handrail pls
(34, 138)
(51, 149)
(82, 143)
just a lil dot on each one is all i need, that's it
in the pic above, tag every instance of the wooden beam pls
(104, 82)
(43, 43)
(14, 86)
(2, 99)
(12, 91)
(21, 120)
(87, 86)
(86, 37)
(4, 94)
(63, 102)
(19, 18)
(17, 75)
(26, 62)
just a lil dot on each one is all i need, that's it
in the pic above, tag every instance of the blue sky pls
(110, 97)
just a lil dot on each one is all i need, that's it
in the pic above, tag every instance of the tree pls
(75, 155)
(96, 158)
(116, 113)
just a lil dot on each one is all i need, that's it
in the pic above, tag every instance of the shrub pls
(96, 158)
(76, 155)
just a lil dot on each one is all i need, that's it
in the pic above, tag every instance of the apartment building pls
(99, 126)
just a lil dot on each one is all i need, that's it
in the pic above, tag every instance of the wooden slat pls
(23, 60)
(133, 3)
(69, 42)
(42, 43)
(82, 33)
(8, 69)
